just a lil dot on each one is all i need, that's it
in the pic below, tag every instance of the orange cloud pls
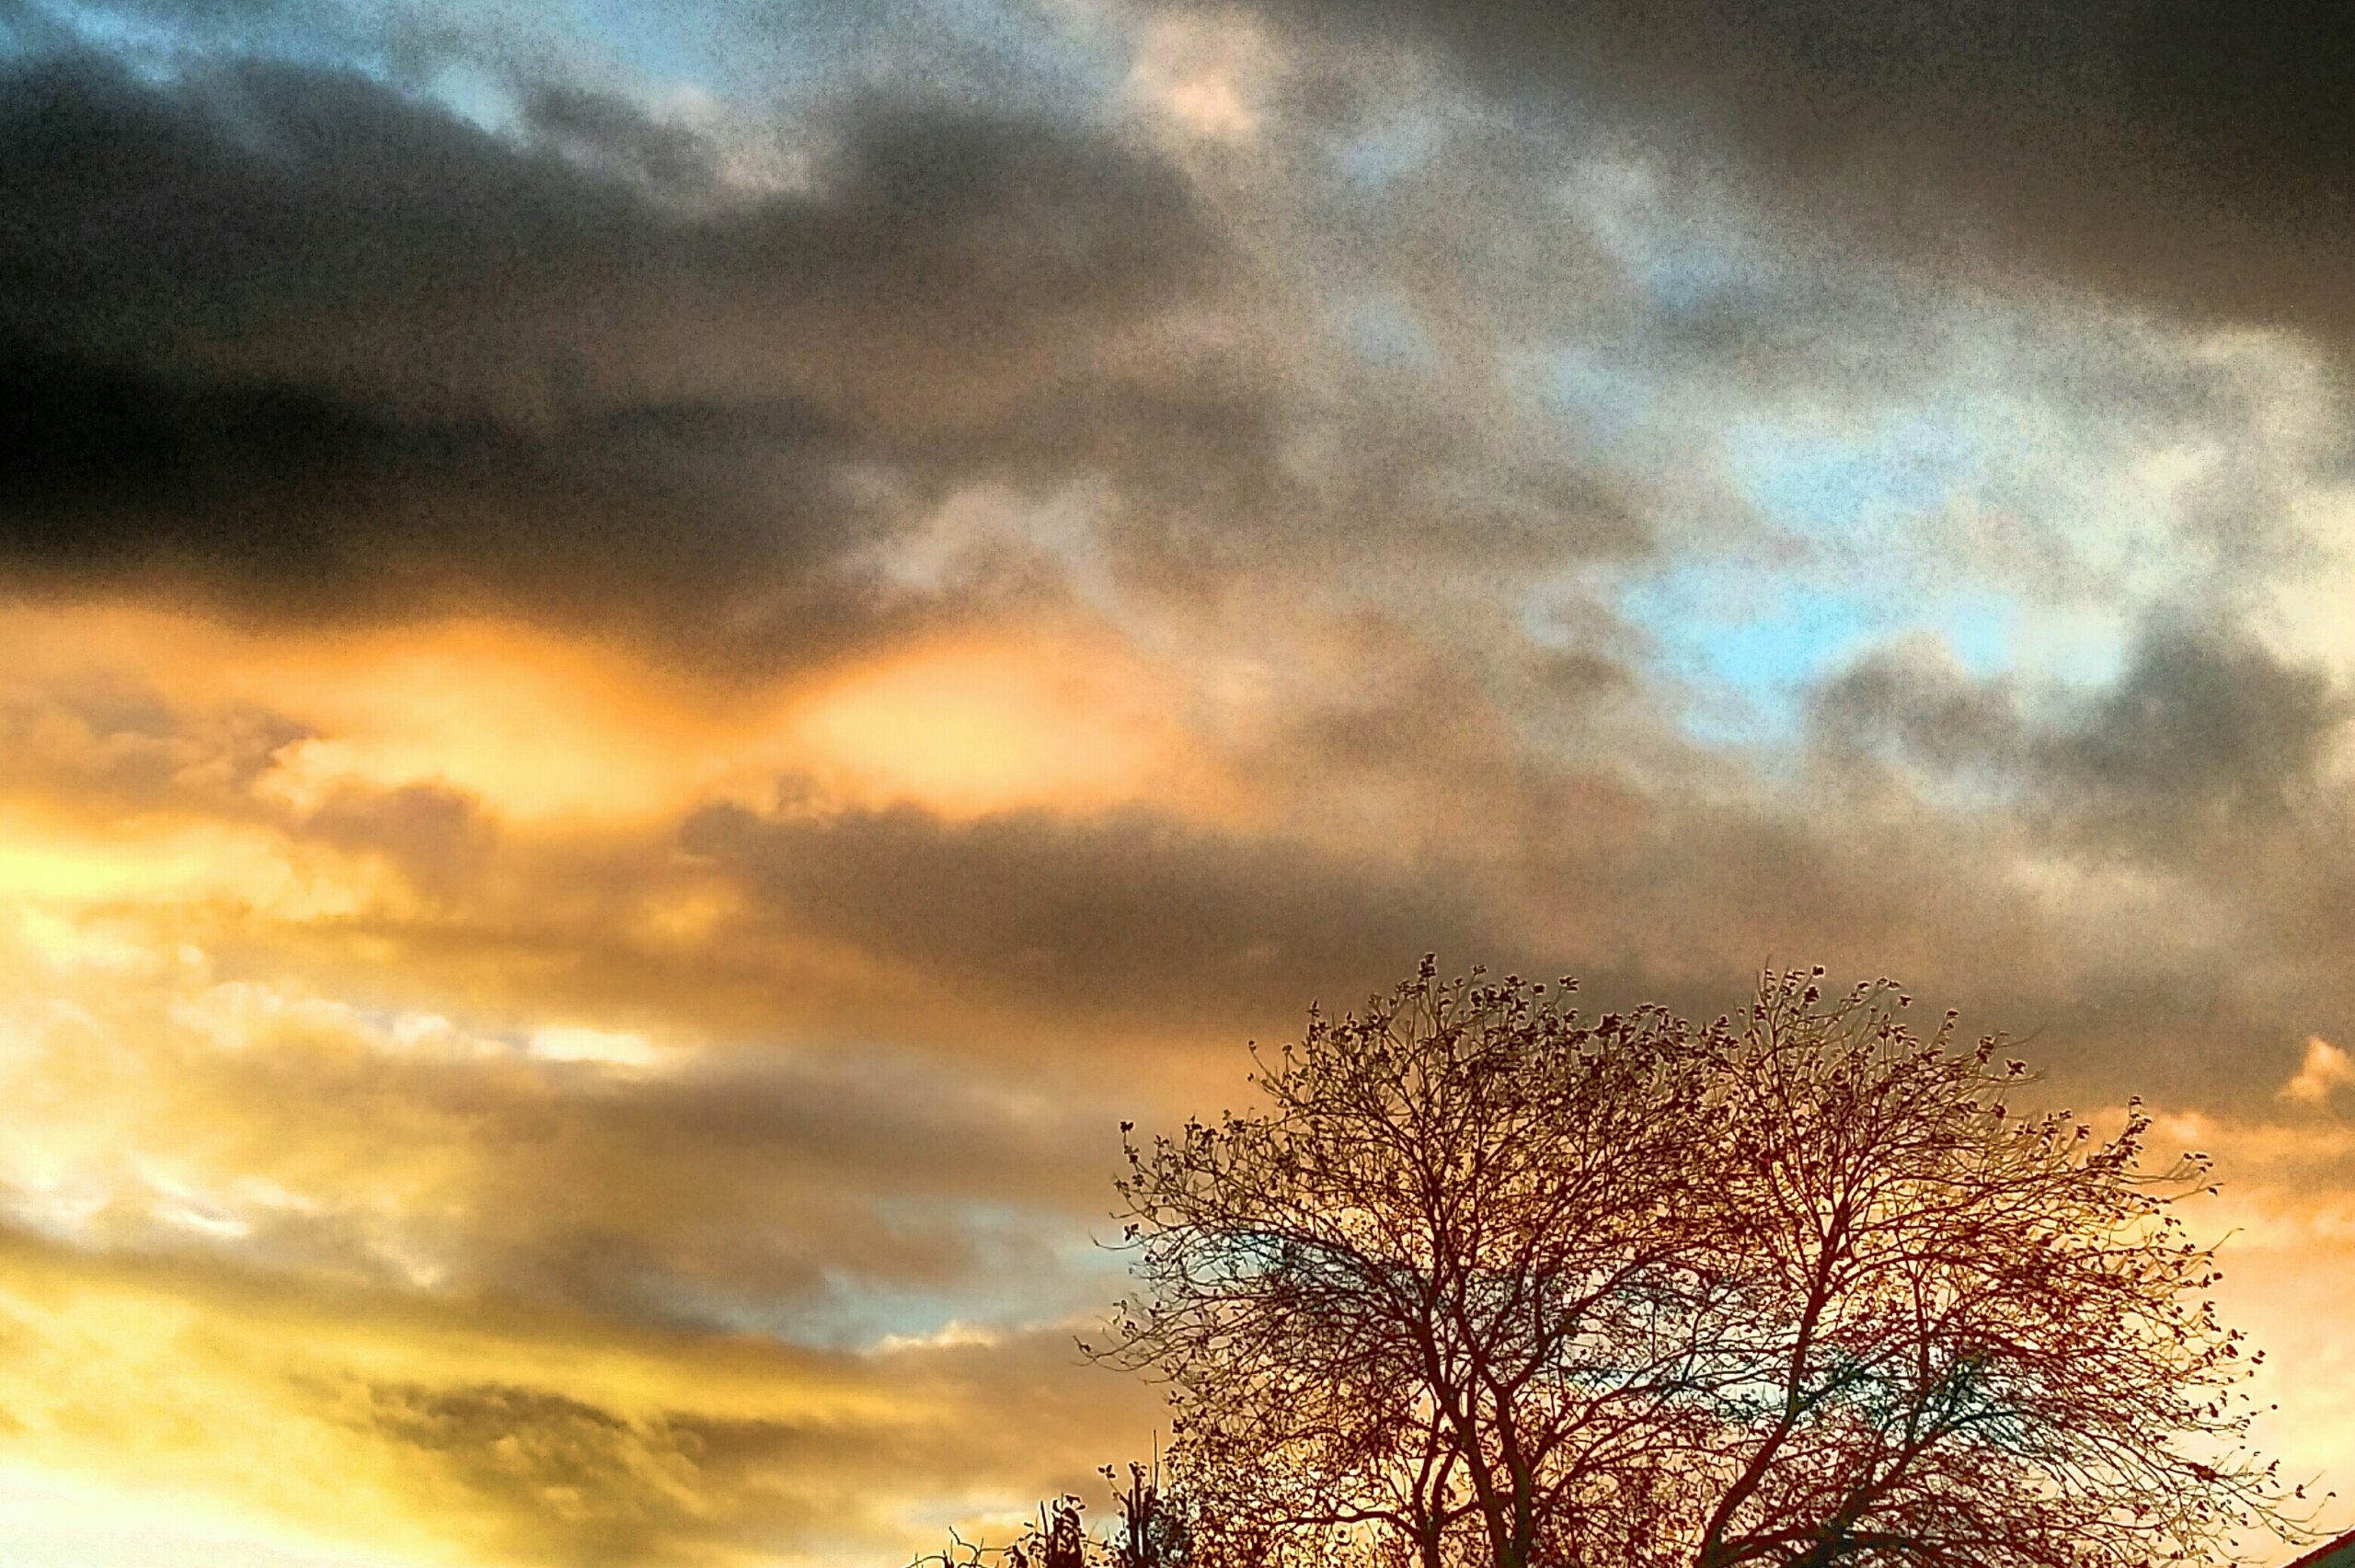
(556, 731)
(979, 726)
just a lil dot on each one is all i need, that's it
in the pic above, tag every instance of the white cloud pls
(614, 1048)
(1203, 76)
(2327, 1068)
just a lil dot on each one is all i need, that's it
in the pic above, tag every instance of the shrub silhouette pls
(1151, 1532)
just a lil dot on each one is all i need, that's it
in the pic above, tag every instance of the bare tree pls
(1485, 1282)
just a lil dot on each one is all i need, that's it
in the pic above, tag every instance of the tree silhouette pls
(1486, 1282)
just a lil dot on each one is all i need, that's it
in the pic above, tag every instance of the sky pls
(656, 659)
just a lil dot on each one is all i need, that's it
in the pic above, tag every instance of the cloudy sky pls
(655, 658)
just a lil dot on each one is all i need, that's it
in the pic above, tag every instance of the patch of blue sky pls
(680, 44)
(859, 1316)
(1749, 635)
(325, 35)
(1754, 635)
(1374, 159)
(1983, 630)
(1894, 502)
(160, 49)
(1683, 275)
(1605, 393)
(1991, 634)
(841, 1313)
(1060, 61)
(1856, 486)
(1022, 1268)
(795, 51)
(1061, 49)
(1749, 644)
(100, 26)
(144, 45)
(1385, 331)
(24, 33)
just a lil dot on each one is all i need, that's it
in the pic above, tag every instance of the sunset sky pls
(656, 658)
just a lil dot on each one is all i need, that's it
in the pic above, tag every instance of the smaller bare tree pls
(1967, 1335)
(1056, 1539)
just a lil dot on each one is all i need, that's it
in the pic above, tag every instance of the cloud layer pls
(651, 669)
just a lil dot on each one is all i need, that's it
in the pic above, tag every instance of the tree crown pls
(1483, 1280)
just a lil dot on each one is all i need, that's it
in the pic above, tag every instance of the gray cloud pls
(2204, 778)
(1141, 912)
(2178, 152)
(2206, 744)
(2204, 735)
(565, 1480)
(290, 338)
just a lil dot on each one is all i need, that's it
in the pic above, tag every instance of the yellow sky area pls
(548, 730)
(2284, 1219)
(57, 1520)
(157, 1102)
(428, 1425)
(194, 1405)
(2293, 1300)
(397, 1431)
(49, 853)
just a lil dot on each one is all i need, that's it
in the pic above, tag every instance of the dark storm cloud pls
(283, 501)
(2187, 153)
(215, 217)
(292, 339)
